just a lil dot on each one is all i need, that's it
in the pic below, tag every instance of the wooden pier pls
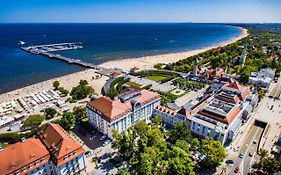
(46, 50)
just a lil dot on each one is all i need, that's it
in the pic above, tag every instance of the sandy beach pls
(71, 80)
(149, 61)
(67, 81)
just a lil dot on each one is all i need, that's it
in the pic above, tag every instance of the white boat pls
(21, 42)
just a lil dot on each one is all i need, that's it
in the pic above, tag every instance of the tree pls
(56, 84)
(50, 113)
(195, 144)
(63, 91)
(123, 171)
(112, 93)
(266, 165)
(214, 152)
(67, 121)
(152, 162)
(180, 132)
(182, 144)
(157, 120)
(81, 91)
(180, 163)
(34, 120)
(79, 113)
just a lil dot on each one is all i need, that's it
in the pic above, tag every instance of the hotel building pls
(66, 153)
(218, 115)
(53, 153)
(130, 106)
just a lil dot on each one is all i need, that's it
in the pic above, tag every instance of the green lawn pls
(156, 78)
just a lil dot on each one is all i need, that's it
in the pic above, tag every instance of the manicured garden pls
(160, 76)
(188, 84)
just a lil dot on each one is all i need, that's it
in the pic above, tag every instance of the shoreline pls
(146, 62)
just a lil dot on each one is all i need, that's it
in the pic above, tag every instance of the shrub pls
(34, 120)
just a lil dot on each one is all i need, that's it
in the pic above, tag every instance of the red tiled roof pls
(233, 85)
(21, 154)
(134, 68)
(115, 74)
(112, 108)
(167, 110)
(59, 143)
(226, 120)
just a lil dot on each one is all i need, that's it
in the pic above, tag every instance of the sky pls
(103, 11)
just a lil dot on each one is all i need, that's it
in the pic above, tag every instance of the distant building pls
(131, 106)
(26, 157)
(218, 115)
(205, 72)
(262, 78)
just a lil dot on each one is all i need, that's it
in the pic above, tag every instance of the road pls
(246, 162)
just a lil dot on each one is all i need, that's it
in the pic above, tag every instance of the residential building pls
(218, 115)
(121, 113)
(66, 153)
(53, 153)
(28, 157)
(262, 78)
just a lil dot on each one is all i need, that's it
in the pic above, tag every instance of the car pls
(237, 170)
(241, 155)
(230, 162)
(93, 132)
(106, 143)
(103, 137)
(250, 154)
(255, 141)
(88, 153)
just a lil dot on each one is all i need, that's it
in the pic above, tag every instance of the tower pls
(195, 67)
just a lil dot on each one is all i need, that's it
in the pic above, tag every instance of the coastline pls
(146, 62)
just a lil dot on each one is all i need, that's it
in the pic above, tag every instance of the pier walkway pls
(46, 50)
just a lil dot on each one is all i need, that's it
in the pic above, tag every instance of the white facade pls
(47, 169)
(73, 166)
(262, 78)
(142, 112)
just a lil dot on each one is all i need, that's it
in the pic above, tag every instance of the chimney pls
(22, 139)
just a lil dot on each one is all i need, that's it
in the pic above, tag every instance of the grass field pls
(156, 78)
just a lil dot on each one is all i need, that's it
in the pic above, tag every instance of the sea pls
(101, 42)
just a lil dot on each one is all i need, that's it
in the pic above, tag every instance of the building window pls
(30, 165)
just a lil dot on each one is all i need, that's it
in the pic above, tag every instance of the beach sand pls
(148, 62)
(71, 80)
(67, 81)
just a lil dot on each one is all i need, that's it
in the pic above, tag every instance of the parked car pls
(255, 141)
(241, 155)
(106, 143)
(250, 154)
(88, 153)
(237, 170)
(230, 162)
(103, 137)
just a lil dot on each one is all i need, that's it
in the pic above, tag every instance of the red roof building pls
(61, 146)
(132, 105)
(24, 157)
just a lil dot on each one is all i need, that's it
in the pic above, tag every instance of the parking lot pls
(97, 151)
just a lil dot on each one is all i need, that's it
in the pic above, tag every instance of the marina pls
(46, 50)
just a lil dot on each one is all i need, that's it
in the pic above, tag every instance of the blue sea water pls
(102, 42)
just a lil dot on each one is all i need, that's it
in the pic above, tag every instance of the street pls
(248, 147)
